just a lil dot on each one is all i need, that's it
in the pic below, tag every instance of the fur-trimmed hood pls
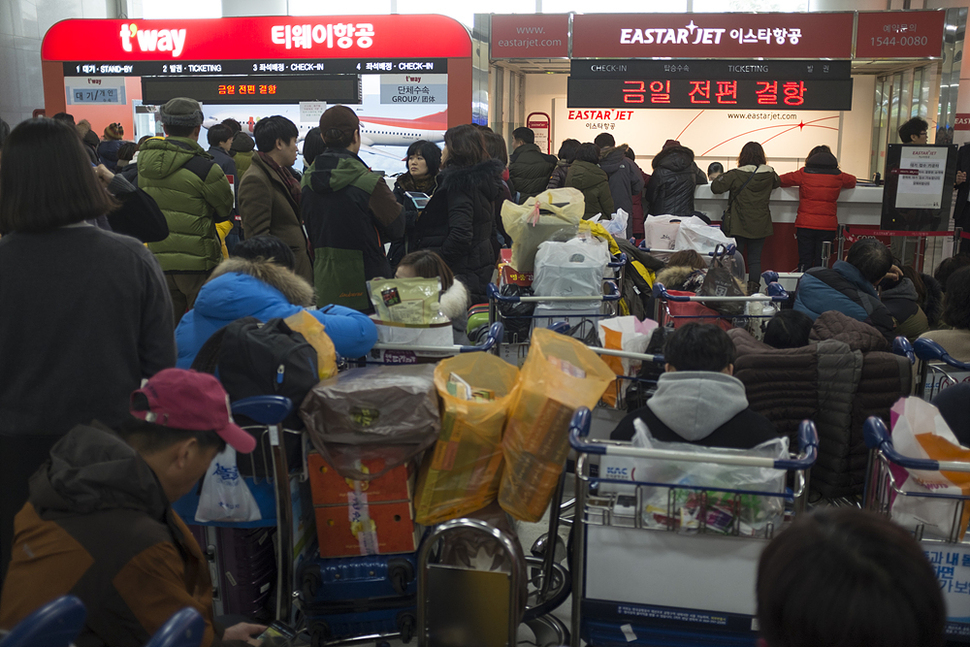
(454, 301)
(675, 277)
(485, 176)
(612, 157)
(297, 290)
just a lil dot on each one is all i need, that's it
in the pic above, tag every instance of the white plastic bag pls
(616, 226)
(571, 269)
(696, 234)
(225, 495)
(660, 232)
(921, 432)
(752, 513)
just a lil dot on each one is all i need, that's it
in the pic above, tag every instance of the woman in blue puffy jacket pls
(259, 281)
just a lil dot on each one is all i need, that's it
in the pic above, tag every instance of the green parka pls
(749, 214)
(192, 205)
(595, 185)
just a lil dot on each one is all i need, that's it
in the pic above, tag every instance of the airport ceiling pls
(561, 65)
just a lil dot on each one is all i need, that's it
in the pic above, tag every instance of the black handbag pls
(719, 282)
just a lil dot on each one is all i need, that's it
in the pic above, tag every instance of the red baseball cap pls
(192, 401)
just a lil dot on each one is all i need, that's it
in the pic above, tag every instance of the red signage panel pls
(530, 36)
(962, 121)
(900, 34)
(273, 37)
(711, 35)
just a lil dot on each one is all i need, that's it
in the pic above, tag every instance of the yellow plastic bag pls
(462, 474)
(560, 375)
(536, 220)
(310, 327)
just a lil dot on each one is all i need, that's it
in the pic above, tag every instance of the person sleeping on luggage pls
(698, 399)
(99, 524)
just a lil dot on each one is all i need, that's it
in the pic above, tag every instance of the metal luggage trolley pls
(388, 353)
(936, 370)
(633, 584)
(674, 307)
(950, 557)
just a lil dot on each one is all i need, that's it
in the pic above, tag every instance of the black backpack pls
(255, 358)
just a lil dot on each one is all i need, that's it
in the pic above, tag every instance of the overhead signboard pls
(530, 36)
(712, 35)
(312, 67)
(722, 70)
(256, 37)
(710, 93)
(900, 34)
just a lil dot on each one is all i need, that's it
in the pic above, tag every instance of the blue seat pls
(184, 629)
(56, 624)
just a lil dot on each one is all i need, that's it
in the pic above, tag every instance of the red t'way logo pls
(150, 40)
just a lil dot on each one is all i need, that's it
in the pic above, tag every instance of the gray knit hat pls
(182, 111)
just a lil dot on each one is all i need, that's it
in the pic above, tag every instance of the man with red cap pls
(99, 523)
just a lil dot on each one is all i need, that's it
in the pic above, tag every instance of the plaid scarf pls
(288, 180)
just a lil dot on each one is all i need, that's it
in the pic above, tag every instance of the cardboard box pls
(363, 528)
(329, 488)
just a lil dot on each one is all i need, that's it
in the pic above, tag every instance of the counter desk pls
(861, 206)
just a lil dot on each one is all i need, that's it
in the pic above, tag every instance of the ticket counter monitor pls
(403, 89)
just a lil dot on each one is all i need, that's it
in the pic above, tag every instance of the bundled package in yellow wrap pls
(310, 327)
(560, 375)
(462, 473)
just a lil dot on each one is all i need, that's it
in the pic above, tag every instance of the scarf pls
(288, 180)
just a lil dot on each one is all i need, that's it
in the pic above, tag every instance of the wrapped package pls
(407, 301)
(386, 412)
(560, 375)
(462, 474)
(538, 219)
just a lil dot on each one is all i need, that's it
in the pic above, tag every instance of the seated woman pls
(956, 313)
(259, 281)
(453, 300)
(788, 329)
(841, 576)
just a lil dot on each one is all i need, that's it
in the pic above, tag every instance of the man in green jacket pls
(193, 193)
(529, 167)
(349, 212)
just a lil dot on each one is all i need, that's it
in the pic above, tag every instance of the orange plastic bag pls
(560, 374)
(310, 327)
(462, 474)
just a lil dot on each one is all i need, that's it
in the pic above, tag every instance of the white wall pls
(712, 134)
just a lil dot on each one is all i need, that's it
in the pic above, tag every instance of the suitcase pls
(242, 562)
(359, 618)
(325, 581)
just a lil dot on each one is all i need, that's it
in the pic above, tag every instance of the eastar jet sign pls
(150, 40)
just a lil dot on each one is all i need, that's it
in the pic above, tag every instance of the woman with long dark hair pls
(458, 222)
(86, 313)
(748, 219)
(424, 162)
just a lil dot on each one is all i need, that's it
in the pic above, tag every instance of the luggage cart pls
(673, 307)
(936, 370)
(657, 587)
(386, 353)
(950, 558)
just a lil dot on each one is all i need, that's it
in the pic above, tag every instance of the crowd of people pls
(149, 249)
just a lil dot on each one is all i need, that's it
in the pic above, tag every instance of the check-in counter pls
(861, 206)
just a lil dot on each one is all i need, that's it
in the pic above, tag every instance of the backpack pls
(255, 358)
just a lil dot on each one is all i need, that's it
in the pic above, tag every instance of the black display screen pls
(343, 88)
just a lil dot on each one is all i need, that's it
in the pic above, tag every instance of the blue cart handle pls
(903, 348)
(660, 291)
(495, 333)
(877, 437)
(807, 448)
(264, 409)
(930, 351)
(492, 292)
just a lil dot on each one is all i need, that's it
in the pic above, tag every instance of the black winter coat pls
(459, 223)
(671, 187)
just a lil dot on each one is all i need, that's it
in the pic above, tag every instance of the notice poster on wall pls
(919, 187)
(921, 172)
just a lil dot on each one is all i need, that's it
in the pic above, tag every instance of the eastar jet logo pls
(692, 34)
(150, 40)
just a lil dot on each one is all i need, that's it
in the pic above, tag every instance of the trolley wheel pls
(539, 547)
(319, 634)
(560, 584)
(407, 624)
